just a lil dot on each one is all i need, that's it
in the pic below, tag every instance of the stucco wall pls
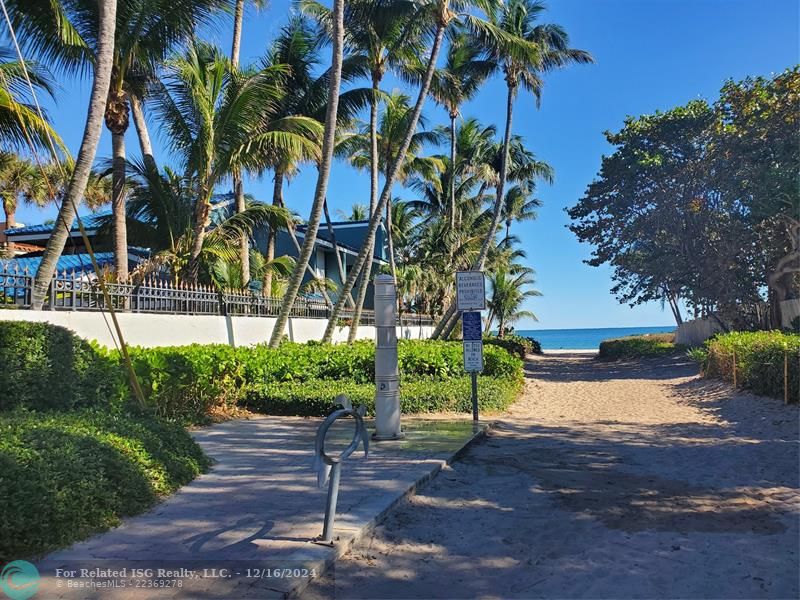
(150, 330)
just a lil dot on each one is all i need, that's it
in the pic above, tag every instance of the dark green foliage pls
(519, 345)
(183, 383)
(636, 346)
(64, 476)
(45, 367)
(759, 361)
(316, 397)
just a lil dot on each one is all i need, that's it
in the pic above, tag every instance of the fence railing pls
(80, 291)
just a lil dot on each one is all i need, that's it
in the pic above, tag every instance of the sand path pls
(620, 480)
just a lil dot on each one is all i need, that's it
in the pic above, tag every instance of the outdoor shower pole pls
(387, 375)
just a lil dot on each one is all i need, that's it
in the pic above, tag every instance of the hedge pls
(66, 475)
(316, 397)
(47, 367)
(515, 344)
(759, 361)
(638, 346)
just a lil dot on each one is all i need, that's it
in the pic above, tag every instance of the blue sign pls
(471, 326)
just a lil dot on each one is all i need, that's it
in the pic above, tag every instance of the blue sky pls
(651, 54)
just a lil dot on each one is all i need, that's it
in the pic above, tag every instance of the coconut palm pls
(519, 205)
(103, 52)
(326, 159)
(550, 50)
(456, 82)
(146, 31)
(507, 294)
(219, 119)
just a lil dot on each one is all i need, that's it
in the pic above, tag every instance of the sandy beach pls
(606, 480)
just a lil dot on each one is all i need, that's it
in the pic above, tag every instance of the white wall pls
(790, 309)
(695, 332)
(149, 330)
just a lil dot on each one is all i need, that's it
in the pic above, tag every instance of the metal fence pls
(80, 291)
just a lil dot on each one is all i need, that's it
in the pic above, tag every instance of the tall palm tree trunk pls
(244, 242)
(365, 252)
(448, 322)
(328, 143)
(238, 16)
(238, 187)
(118, 206)
(202, 212)
(143, 133)
(277, 200)
(361, 294)
(390, 237)
(452, 170)
(86, 154)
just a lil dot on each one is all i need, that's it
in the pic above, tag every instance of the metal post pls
(387, 376)
(333, 496)
(474, 377)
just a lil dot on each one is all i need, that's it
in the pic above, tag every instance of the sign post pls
(470, 300)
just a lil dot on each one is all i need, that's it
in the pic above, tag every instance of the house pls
(323, 262)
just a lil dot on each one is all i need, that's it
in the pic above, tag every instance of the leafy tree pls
(757, 161)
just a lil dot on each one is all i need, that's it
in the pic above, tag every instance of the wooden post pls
(734, 368)
(786, 375)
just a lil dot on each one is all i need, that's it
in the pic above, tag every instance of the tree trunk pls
(86, 154)
(390, 237)
(453, 171)
(328, 143)
(118, 207)
(144, 135)
(244, 242)
(361, 293)
(365, 252)
(202, 211)
(11, 221)
(238, 16)
(446, 325)
(277, 200)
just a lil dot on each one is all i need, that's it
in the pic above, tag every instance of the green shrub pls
(638, 346)
(64, 476)
(759, 361)
(46, 367)
(516, 344)
(316, 397)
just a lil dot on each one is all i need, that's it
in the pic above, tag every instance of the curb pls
(344, 545)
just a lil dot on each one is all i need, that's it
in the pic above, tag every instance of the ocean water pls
(584, 339)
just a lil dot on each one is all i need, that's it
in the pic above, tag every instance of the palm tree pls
(65, 33)
(19, 180)
(103, 52)
(328, 144)
(549, 49)
(506, 296)
(519, 205)
(160, 217)
(219, 119)
(455, 83)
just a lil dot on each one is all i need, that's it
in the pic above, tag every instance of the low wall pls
(695, 332)
(149, 330)
(790, 310)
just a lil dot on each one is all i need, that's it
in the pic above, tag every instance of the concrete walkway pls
(243, 530)
(606, 480)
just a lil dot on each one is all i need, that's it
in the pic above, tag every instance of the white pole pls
(387, 376)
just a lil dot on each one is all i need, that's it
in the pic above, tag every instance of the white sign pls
(470, 291)
(473, 357)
